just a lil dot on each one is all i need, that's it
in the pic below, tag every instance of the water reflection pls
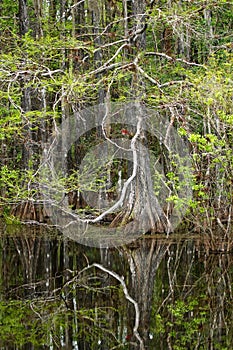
(153, 294)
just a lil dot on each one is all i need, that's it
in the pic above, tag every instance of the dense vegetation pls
(175, 56)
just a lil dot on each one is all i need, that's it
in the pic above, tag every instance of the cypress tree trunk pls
(23, 17)
(52, 11)
(26, 91)
(38, 6)
(30, 100)
(142, 202)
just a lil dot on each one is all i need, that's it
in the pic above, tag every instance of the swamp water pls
(155, 293)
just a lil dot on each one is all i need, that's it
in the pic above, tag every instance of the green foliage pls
(184, 322)
(41, 322)
(184, 69)
(16, 186)
(10, 178)
(19, 325)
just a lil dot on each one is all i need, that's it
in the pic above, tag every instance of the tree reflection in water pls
(155, 293)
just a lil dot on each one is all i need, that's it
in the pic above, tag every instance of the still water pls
(155, 293)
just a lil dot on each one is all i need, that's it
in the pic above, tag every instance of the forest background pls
(58, 57)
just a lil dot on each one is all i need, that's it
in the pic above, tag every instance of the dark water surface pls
(156, 293)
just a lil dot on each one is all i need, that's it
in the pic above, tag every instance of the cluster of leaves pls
(19, 326)
(183, 324)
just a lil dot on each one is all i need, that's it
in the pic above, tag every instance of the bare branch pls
(105, 68)
(169, 58)
(111, 59)
(152, 80)
(78, 3)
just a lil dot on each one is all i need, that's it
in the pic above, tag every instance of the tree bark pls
(38, 5)
(23, 17)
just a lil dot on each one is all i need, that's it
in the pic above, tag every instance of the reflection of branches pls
(199, 302)
(219, 290)
(28, 250)
(174, 262)
(126, 293)
(144, 261)
(128, 297)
